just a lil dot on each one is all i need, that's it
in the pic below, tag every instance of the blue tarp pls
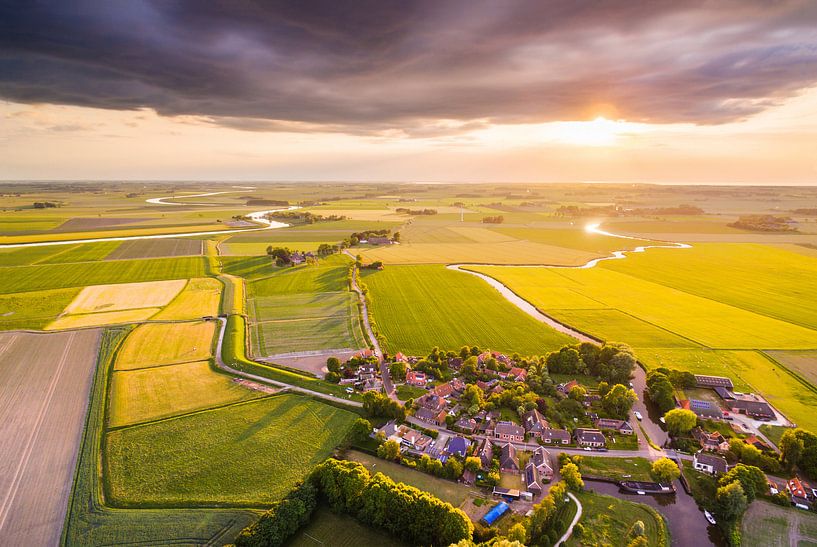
(498, 510)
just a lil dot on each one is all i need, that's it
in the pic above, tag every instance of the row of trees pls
(403, 511)
(661, 385)
(282, 520)
(613, 363)
(798, 448)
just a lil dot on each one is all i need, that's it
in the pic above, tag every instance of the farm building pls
(759, 410)
(622, 426)
(709, 463)
(703, 409)
(703, 380)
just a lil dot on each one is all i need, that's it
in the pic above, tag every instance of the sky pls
(460, 90)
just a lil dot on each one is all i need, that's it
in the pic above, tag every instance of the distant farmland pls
(419, 307)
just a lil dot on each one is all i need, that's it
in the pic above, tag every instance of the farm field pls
(45, 380)
(58, 276)
(608, 520)
(419, 307)
(201, 296)
(125, 296)
(769, 525)
(155, 344)
(125, 232)
(572, 238)
(56, 255)
(330, 275)
(327, 528)
(159, 392)
(802, 363)
(304, 322)
(190, 460)
(637, 469)
(156, 248)
(102, 318)
(452, 492)
(33, 310)
(693, 317)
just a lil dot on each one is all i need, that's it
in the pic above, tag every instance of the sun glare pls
(598, 132)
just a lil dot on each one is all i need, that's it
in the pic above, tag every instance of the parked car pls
(638, 416)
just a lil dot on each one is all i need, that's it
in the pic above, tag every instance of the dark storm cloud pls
(378, 66)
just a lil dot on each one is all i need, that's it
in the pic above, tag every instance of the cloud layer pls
(419, 68)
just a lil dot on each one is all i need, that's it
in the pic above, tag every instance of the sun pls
(598, 132)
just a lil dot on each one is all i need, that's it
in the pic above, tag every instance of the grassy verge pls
(608, 521)
(703, 486)
(636, 469)
(773, 432)
(406, 392)
(327, 528)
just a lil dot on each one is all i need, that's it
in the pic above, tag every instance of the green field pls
(330, 275)
(33, 310)
(419, 307)
(155, 344)
(159, 392)
(802, 363)
(193, 460)
(452, 492)
(608, 520)
(50, 254)
(327, 528)
(573, 238)
(768, 525)
(636, 469)
(42, 277)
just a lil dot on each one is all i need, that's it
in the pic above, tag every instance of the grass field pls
(158, 392)
(57, 276)
(125, 296)
(191, 460)
(802, 363)
(200, 297)
(573, 238)
(330, 275)
(419, 307)
(45, 380)
(128, 232)
(33, 310)
(636, 469)
(156, 248)
(687, 315)
(608, 520)
(102, 318)
(768, 525)
(507, 252)
(91, 522)
(452, 492)
(327, 528)
(55, 255)
(156, 344)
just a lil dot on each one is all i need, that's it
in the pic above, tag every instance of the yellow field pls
(158, 392)
(125, 296)
(103, 318)
(163, 344)
(63, 236)
(509, 252)
(200, 297)
(362, 214)
(481, 235)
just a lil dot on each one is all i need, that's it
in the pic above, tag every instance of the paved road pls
(578, 516)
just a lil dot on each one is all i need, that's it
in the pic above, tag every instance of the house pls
(297, 258)
(457, 385)
(468, 477)
(759, 410)
(702, 380)
(709, 463)
(466, 425)
(378, 240)
(556, 436)
(534, 423)
(541, 459)
(400, 358)
(413, 439)
(485, 453)
(509, 431)
(389, 431)
(458, 446)
(416, 378)
(565, 388)
(432, 402)
(531, 476)
(589, 437)
(621, 426)
(518, 374)
(703, 409)
(757, 443)
(799, 494)
(364, 354)
(710, 441)
(455, 363)
(486, 386)
(444, 390)
(507, 459)
(432, 417)
(725, 394)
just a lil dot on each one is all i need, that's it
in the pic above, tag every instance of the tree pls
(639, 541)
(751, 479)
(333, 364)
(730, 501)
(664, 470)
(397, 370)
(389, 450)
(577, 393)
(660, 391)
(282, 255)
(518, 533)
(361, 429)
(453, 468)
(469, 367)
(791, 448)
(473, 463)
(565, 361)
(472, 396)
(572, 477)
(619, 401)
(332, 377)
(680, 421)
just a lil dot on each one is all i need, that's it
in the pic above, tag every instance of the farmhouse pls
(416, 378)
(714, 442)
(532, 479)
(589, 437)
(507, 459)
(556, 436)
(535, 424)
(432, 417)
(703, 380)
(378, 240)
(541, 459)
(621, 426)
(759, 410)
(709, 463)
(485, 453)
(509, 431)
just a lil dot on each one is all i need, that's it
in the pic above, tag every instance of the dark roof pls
(754, 408)
(509, 428)
(713, 381)
(532, 477)
(724, 393)
(590, 435)
(540, 457)
(508, 456)
(556, 434)
(458, 445)
(718, 463)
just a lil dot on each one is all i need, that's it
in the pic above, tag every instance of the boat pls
(641, 493)
(709, 517)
